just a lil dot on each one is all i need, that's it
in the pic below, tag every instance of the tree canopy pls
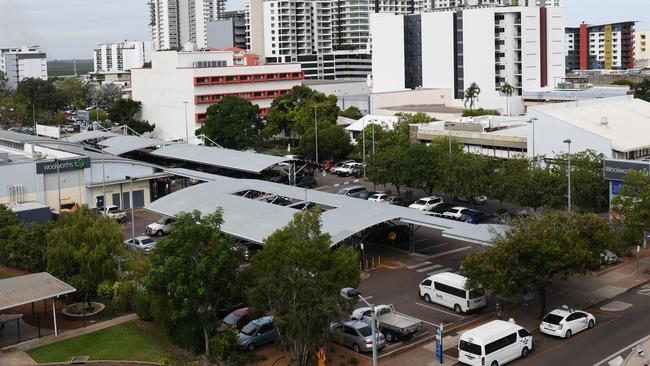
(631, 207)
(351, 112)
(124, 110)
(298, 278)
(294, 112)
(333, 142)
(233, 123)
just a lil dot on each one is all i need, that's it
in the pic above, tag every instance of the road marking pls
(631, 346)
(433, 246)
(346, 182)
(336, 185)
(645, 290)
(442, 311)
(322, 187)
(425, 269)
(449, 252)
(356, 181)
(446, 269)
(419, 265)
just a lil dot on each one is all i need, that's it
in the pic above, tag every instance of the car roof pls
(142, 237)
(460, 208)
(356, 324)
(449, 277)
(263, 320)
(490, 331)
(563, 312)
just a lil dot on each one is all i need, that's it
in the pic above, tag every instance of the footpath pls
(16, 355)
(579, 292)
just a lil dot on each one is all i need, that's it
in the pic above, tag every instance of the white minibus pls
(495, 343)
(448, 289)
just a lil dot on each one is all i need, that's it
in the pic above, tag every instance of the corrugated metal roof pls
(223, 158)
(90, 135)
(255, 220)
(119, 145)
(21, 290)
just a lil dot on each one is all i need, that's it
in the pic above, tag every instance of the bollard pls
(378, 261)
(366, 263)
(373, 261)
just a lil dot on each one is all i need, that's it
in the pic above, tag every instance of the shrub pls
(143, 306)
(480, 112)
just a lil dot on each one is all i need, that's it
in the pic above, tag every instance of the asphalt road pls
(613, 332)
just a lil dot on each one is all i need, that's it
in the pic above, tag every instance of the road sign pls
(439, 343)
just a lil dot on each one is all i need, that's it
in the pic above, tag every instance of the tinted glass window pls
(350, 331)
(472, 348)
(147, 241)
(500, 343)
(426, 283)
(450, 290)
(365, 331)
(553, 319)
(473, 294)
(523, 333)
(572, 317)
(266, 328)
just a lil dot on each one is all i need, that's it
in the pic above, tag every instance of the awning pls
(21, 290)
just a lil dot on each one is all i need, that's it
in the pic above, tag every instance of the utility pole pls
(187, 133)
(568, 142)
(58, 180)
(316, 132)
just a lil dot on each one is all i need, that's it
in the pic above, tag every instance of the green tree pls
(333, 142)
(104, 95)
(41, 94)
(14, 111)
(589, 191)
(507, 90)
(326, 113)
(297, 108)
(82, 249)
(233, 123)
(530, 254)
(631, 207)
(194, 273)
(97, 115)
(471, 94)
(642, 90)
(388, 166)
(351, 112)
(4, 87)
(298, 277)
(123, 110)
(74, 90)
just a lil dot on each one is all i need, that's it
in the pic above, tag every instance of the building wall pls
(387, 64)
(604, 46)
(21, 63)
(642, 48)
(120, 56)
(221, 34)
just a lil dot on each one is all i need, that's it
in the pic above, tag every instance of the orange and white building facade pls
(180, 86)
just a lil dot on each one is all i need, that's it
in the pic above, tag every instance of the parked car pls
(143, 242)
(340, 164)
(366, 194)
(328, 164)
(378, 197)
(393, 324)
(472, 216)
(352, 191)
(162, 226)
(608, 257)
(257, 333)
(564, 322)
(349, 169)
(236, 319)
(455, 212)
(356, 335)
(440, 209)
(426, 203)
(396, 200)
(114, 212)
(495, 343)
(307, 181)
(479, 200)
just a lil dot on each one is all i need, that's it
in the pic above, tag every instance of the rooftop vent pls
(604, 121)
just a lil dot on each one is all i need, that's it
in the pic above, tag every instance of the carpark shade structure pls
(251, 212)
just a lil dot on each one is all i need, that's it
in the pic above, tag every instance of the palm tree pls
(471, 94)
(507, 90)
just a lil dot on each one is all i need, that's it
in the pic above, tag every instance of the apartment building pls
(602, 46)
(439, 4)
(452, 48)
(330, 39)
(228, 32)
(120, 56)
(23, 62)
(642, 49)
(203, 78)
(176, 22)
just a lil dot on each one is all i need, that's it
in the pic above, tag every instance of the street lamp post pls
(58, 182)
(352, 294)
(532, 121)
(187, 133)
(132, 210)
(316, 132)
(568, 142)
(363, 131)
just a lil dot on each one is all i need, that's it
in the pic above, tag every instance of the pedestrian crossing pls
(644, 290)
(430, 269)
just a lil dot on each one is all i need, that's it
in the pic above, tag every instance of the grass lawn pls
(128, 341)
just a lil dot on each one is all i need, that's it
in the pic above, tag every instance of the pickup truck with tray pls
(391, 323)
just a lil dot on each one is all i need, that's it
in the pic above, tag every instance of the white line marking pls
(425, 269)
(336, 185)
(419, 265)
(346, 182)
(633, 345)
(446, 269)
(442, 311)
(356, 181)
(433, 246)
(449, 252)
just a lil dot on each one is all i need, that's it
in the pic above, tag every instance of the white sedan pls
(564, 322)
(426, 203)
(378, 197)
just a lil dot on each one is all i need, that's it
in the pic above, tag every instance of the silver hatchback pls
(356, 335)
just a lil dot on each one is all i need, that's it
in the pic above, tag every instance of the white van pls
(448, 289)
(495, 343)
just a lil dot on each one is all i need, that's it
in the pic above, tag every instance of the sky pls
(69, 29)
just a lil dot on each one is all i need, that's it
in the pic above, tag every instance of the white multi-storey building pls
(642, 49)
(603, 46)
(176, 22)
(202, 78)
(452, 48)
(439, 4)
(23, 62)
(120, 56)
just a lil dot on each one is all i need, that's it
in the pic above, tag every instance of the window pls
(450, 290)
(350, 331)
(572, 317)
(426, 283)
(472, 348)
(553, 319)
(266, 328)
(500, 343)
(523, 333)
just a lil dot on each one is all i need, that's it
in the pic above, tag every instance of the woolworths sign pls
(617, 169)
(65, 165)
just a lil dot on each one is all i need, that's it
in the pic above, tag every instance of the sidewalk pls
(578, 292)
(16, 355)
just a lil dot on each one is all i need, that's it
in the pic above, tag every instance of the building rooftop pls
(624, 121)
(21, 290)
(368, 119)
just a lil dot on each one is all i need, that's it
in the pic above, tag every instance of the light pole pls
(316, 132)
(363, 132)
(187, 133)
(532, 121)
(568, 142)
(58, 182)
(352, 294)
(132, 210)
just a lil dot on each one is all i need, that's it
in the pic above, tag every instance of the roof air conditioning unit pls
(604, 121)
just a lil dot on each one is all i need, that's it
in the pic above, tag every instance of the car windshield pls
(421, 202)
(147, 241)
(250, 329)
(553, 319)
(161, 221)
(231, 319)
(473, 294)
(472, 348)
(365, 331)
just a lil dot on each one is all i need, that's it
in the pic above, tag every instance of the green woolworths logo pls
(79, 164)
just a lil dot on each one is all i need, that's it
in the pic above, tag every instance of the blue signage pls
(616, 187)
(439, 344)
